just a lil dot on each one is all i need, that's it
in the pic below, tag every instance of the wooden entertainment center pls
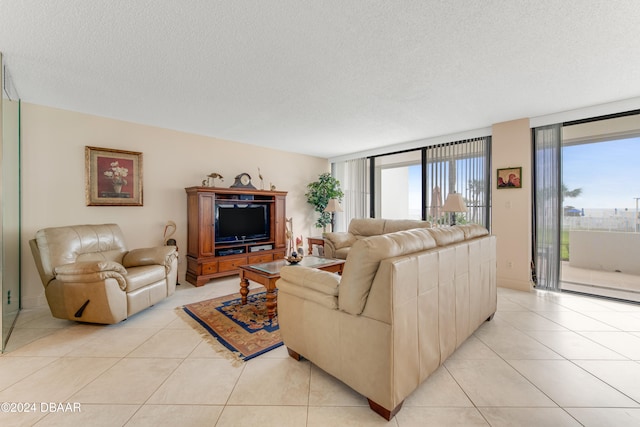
(208, 259)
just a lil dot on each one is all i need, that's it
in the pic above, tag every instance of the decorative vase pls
(117, 187)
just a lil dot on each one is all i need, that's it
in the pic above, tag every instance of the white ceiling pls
(324, 78)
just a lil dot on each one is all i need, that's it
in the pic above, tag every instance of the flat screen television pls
(241, 222)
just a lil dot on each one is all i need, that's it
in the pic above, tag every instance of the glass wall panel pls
(415, 184)
(399, 180)
(9, 205)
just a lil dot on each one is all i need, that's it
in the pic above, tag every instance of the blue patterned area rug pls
(245, 330)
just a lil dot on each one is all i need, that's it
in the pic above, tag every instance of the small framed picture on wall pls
(113, 177)
(509, 178)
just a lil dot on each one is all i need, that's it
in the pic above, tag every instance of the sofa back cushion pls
(366, 226)
(447, 235)
(364, 259)
(393, 225)
(65, 245)
(471, 231)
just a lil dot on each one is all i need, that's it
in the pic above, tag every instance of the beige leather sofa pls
(338, 244)
(90, 276)
(405, 302)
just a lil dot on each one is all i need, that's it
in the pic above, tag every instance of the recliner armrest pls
(91, 271)
(86, 267)
(158, 255)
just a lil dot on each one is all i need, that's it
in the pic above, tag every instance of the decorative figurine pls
(289, 234)
(293, 256)
(299, 244)
(211, 181)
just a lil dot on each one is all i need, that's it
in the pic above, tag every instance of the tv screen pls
(241, 222)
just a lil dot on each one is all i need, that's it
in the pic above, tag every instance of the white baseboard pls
(518, 285)
(34, 302)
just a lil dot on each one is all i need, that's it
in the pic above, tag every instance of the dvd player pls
(225, 252)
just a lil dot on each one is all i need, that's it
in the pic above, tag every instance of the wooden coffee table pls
(268, 273)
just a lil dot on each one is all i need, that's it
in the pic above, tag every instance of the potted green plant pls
(318, 194)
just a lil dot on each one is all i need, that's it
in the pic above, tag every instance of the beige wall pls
(53, 179)
(511, 208)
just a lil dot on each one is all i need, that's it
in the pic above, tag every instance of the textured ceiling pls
(324, 78)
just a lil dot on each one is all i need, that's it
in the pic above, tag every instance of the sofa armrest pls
(91, 271)
(159, 255)
(310, 284)
(339, 240)
(329, 250)
(311, 278)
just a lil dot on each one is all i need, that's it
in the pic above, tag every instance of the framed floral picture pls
(113, 177)
(509, 178)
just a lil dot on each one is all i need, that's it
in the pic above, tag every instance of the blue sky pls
(608, 173)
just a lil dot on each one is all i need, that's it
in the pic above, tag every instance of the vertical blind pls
(352, 175)
(460, 167)
(547, 205)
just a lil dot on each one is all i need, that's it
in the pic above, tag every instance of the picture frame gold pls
(113, 177)
(509, 178)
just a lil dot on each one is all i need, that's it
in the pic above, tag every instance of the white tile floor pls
(544, 360)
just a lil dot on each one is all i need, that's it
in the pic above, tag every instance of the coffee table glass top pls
(274, 267)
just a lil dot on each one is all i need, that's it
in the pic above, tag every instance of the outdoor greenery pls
(564, 245)
(566, 193)
(567, 210)
(318, 194)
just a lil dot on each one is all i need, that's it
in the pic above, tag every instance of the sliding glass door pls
(600, 233)
(587, 219)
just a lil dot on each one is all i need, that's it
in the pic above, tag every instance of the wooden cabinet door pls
(280, 238)
(207, 215)
(193, 224)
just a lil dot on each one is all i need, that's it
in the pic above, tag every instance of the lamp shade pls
(333, 206)
(454, 203)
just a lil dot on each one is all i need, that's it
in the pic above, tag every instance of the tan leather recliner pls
(90, 276)
(338, 244)
(405, 302)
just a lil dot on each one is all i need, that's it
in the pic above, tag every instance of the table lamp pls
(454, 203)
(332, 207)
